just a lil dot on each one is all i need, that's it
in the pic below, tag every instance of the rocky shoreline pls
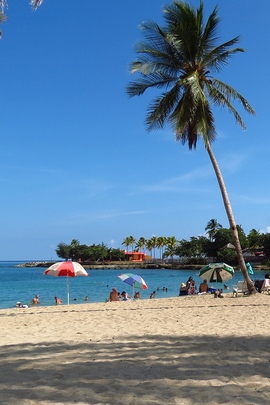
(138, 265)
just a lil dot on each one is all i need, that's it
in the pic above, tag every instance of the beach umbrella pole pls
(67, 290)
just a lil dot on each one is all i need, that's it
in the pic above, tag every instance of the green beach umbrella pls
(216, 272)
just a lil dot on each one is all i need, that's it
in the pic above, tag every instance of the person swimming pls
(58, 301)
(35, 300)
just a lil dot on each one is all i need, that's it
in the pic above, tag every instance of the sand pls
(184, 350)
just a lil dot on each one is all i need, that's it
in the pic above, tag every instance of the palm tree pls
(129, 241)
(154, 244)
(149, 246)
(172, 241)
(161, 242)
(181, 58)
(141, 243)
(212, 227)
(171, 247)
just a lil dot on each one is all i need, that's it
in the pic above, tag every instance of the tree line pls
(217, 243)
(93, 253)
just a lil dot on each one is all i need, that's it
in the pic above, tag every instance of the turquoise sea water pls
(21, 284)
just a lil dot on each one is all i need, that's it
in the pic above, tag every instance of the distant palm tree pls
(171, 247)
(141, 243)
(129, 241)
(180, 58)
(154, 244)
(161, 242)
(172, 241)
(212, 227)
(149, 245)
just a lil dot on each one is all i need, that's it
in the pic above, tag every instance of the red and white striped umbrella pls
(67, 269)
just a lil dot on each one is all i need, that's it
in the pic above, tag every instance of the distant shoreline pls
(133, 265)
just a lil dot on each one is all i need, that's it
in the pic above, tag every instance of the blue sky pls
(76, 161)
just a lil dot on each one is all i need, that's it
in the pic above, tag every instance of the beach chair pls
(266, 286)
(241, 288)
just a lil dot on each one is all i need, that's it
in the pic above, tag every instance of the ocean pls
(22, 284)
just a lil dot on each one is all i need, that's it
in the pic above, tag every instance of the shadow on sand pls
(141, 370)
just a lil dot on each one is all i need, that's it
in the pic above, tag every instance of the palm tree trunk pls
(231, 219)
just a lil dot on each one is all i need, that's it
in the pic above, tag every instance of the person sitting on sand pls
(125, 296)
(183, 289)
(137, 295)
(218, 294)
(20, 305)
(114, 295)
(58, 301)
(191, 286)
(35, 300)
(203, 288)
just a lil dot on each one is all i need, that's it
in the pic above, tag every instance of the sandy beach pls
(184, 350)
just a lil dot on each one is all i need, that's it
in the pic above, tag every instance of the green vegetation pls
(93, 253)
(182, 58)
(217, 245)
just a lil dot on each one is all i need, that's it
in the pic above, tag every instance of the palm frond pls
(232, 94)
(220, 99)
(161, 107)
(36, 3)
(209, 36)
(157, 80)
(193, 118)
(182, 25)
(219, 56)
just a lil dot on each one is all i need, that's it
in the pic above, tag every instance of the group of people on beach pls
(117, 296)
(35, 301)
(190, 288)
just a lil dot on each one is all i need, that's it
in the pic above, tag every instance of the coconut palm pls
(161, 242)
(149, 246)
(172, 241)
(154, 244)
(141, 243)
(212, 227)
(171, 247)
(129, 241)
(181, 58)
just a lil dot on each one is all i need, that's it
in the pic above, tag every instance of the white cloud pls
(181, 183)
(252, 199)
(112, 243)
(266, 230)
(115, 213)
